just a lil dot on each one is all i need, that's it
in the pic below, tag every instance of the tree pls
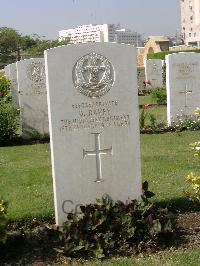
(12, 43)
(9, 44)
(9, 40)
(42, 45)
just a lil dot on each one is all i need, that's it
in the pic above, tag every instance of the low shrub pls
(193, 191)
(107, 227)
(159, 95)
(149, 123)
(142, 119)
(4, 87)
(186, 122)
(3, 221)
(9, 122)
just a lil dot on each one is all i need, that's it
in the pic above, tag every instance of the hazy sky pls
(47, 17)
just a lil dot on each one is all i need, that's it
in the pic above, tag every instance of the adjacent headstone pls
(94, 129)
(7, 71)
(2, 72)
(141, 79)
(14, 85)
(183, 85)
(153, 72)
(11, 74)
(32, 97)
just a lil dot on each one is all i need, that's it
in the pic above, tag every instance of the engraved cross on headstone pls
(93, 68)
(97, 152)
(186, 92)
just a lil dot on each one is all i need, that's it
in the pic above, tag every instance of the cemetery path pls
(38, 246)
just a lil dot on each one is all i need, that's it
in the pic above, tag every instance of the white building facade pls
(190, 21)
(101, 33)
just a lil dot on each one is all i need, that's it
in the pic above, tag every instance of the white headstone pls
(153, 71)
(32, 97)
(94, 129)
(183, 85)
(14, 85)
(7, 71)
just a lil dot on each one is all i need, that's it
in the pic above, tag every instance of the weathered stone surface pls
(153, 71)
(32, 97)
(94, 128)
(183, 85)
(14, 85)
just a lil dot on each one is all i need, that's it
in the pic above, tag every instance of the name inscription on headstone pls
(100, 114)
(185, 70)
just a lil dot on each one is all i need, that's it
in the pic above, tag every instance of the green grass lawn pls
(166, 160)
(146, 99)
(169, 258)
(159, 111)
(26, 182)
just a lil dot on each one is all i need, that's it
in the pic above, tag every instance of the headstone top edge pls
(80, 45)
(182, 53)
(29, 60)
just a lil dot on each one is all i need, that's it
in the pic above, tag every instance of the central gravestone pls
(94, 128)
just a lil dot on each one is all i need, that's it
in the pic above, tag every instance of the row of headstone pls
(182, 83)
(28, 92)
(93, 120)
(93, 116)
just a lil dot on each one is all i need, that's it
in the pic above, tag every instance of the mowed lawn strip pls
(26, 181)
(158, 111)
(166, 160)
(169, 258)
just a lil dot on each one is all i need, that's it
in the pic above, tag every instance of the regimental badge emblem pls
(93, 75)
(36, 73)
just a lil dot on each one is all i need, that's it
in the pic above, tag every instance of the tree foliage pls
(13, 43)
(42, 45)
(9, 40)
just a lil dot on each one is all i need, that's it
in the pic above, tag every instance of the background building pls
(101, 33)
(190, 21)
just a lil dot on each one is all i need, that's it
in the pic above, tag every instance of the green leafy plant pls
(107, 226)
(9, 122)
(143, 117)
(153, 121)
(159, 95)
(193, 191)
(149, 123)
(4, 87)
(3, 221)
